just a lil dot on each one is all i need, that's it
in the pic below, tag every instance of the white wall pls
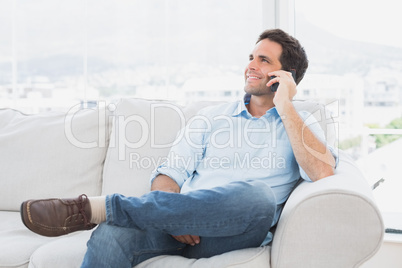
(389, 255)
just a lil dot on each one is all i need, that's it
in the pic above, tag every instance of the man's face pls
(263, 59)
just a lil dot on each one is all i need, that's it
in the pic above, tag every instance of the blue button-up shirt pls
(225, 143)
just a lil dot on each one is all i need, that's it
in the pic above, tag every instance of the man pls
(197, 208)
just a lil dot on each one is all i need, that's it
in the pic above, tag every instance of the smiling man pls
(202, 209)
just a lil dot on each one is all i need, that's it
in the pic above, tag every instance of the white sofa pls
(330, 223)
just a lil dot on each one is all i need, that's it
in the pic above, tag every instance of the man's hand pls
(165, 184)
(286, 90)
(187, 239)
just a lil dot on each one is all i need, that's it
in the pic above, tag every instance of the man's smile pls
(253, 77)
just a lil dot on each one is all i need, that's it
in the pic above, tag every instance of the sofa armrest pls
(333, 222)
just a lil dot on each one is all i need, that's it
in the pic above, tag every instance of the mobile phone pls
(275, 86)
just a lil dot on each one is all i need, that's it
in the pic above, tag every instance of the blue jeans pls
(235, 216)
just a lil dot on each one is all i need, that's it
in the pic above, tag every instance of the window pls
(54, 54)
(355, 55)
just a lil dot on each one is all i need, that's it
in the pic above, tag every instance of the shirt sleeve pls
(315, 127)
(187, 151)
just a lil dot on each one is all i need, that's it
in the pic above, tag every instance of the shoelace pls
(82, 201)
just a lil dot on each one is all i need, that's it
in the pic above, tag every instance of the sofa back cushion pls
(50, 155)
(142, 134)
(324, 115)
(144, 130)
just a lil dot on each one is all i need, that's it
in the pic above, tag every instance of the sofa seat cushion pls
(51, 155)
(243, 258)
(65, 252)
(17, 243)
(69, 251)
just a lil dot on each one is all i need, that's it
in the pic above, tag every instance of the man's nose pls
(252, 65)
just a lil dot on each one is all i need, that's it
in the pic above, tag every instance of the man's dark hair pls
(293, 55)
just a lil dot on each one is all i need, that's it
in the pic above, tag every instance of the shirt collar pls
(241, 108)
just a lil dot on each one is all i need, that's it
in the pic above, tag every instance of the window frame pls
(288, 16)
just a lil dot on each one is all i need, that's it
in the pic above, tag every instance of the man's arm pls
(311, 154)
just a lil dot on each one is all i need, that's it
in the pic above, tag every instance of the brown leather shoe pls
(55, 217)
